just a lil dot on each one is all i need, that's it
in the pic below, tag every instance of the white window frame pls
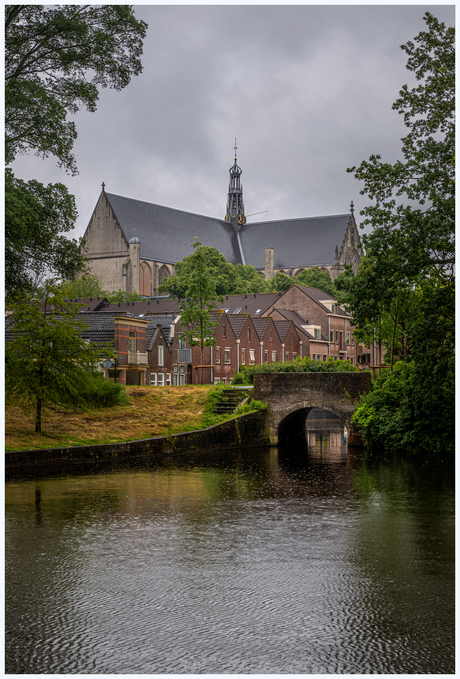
(161, 355)
(168, 379)
(274, 356)
(228, 356)
(252, 356)
(161, 379)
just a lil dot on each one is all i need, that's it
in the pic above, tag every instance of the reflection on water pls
(250, 561)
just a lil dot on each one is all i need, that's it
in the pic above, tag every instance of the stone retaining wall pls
(247, 430)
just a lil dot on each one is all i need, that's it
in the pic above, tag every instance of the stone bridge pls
(291, 396)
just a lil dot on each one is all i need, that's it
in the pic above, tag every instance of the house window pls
(352, 360)
(249, 333)
(224, 330)
(271, 338)
(175, 375)
(182, 374)
(294, 355)
(161, 352)
(324, 357)
(287, 355)
(168, 379)
(217, 355)
(336, 336)
(237, 311)
(348, 338)
(274, 356)
(132, 342)
(182, 343)
(318, 357)
(265, 356)
(258, 311)
(292, 338)
(252, 356)
(161, 379)
(314, 357)
(243, 356)
(331, 336)
(317, 333)
(227, 356)
(153, 379)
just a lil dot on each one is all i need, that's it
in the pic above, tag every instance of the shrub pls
(300, 365)
(101, 393)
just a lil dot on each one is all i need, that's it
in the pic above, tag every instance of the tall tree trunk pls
(38, 415)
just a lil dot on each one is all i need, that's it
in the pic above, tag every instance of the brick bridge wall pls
(291, 396)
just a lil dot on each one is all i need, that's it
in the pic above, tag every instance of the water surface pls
(251, 561)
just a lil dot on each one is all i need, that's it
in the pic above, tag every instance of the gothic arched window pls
(163, 275)
(145, 280)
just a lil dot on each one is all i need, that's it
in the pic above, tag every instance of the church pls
(133, 245)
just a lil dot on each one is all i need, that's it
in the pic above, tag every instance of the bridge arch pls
(291, 396)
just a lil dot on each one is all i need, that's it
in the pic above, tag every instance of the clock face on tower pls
(228, 218)
(241, 219)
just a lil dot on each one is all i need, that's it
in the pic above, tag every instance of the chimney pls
(269, 261)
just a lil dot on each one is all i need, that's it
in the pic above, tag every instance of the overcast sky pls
(306, 90)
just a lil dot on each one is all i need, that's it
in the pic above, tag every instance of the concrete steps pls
(230, 399)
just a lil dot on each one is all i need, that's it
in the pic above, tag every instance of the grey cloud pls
(307, 90)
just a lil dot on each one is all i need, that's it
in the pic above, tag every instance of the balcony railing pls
(137, 358)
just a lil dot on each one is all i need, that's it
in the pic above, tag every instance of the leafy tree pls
(47, 362)
(36, 219)
(123, 296)
(81, 287)
(281, 282)
(56, 58)
(249, 280)
(201, 299)
(315, 278)
(410, 251)
(229, 279)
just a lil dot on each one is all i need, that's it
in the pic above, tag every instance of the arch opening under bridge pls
(291, 396)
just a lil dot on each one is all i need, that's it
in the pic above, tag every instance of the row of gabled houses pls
(251, 329)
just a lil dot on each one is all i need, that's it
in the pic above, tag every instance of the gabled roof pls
(162, 306)
(298, 321)
(167, 234)
(250, 303)
(316, 295)
(304, 242)
(261, 326)
(91, 303)
(282, 328)
(164, 321)
(237, 322)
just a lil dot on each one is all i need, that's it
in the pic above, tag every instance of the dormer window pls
(237, 311)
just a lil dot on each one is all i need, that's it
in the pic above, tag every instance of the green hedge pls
(300, 365)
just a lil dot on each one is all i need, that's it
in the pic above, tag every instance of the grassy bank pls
(150, 412)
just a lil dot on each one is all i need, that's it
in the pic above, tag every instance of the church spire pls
(235, 204)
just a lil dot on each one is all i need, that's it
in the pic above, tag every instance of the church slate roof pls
(303, 242)
(167, 234)
(167, 305)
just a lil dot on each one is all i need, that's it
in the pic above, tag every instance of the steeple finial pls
(103, 186)
(235, 205)
(352, 207)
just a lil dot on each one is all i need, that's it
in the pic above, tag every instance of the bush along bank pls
(392, 418)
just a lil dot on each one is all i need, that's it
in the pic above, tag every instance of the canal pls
(251, 561)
